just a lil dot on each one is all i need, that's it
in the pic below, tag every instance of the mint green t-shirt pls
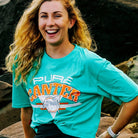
(69, 91)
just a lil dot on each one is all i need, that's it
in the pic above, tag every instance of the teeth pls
(51, 31)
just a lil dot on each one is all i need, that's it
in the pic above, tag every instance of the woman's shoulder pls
(90, 56)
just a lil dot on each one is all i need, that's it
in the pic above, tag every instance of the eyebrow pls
(46, 12)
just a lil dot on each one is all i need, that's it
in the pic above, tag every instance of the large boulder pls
(5, 87)
(6, 77)
(105, 122)
(8, 116)
(5, 93)
(9, 16)
(2, 70)
(4, 2)
(133, 72)
(13, 131)
(113, 23)
(126, 66)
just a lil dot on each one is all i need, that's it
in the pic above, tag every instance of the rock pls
(108, 121)
(130, 67)
(4, 2)
(109, 107)
(136, 135)
(105, 122)
(111, 23)
(2, 136)
(133, 127)
(126, 65)
(5, 93)
(5, 87)
(16, 130)
(133, 72)
(8, 116)
(9, 16)
(13, 131)
(6, 77)
(129, 3)
(2, 70)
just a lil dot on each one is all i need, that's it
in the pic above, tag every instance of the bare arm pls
(128, 111)
(26, 114)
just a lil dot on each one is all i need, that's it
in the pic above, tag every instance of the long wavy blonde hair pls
(29, 45)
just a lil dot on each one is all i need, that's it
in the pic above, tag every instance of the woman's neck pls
(59, 51)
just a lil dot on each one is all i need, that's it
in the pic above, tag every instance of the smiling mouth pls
(52, 31)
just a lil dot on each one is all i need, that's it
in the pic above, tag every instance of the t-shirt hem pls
(130, 99)
(21, 106)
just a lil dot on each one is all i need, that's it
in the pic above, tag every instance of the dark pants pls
(50, 131)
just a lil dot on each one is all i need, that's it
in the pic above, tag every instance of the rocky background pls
(114, 26)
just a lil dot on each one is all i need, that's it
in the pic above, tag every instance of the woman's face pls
(53, 22)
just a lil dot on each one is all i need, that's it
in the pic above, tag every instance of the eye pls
(43, 16)
(57, 15)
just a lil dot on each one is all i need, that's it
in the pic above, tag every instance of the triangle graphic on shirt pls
(51, 103)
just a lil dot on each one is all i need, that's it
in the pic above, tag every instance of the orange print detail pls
(74, 93)
(57, 85)
(64, 89)
(36, 91)
(31, 97)
(62, 108)
(39, 104)
(46, 88)
(46, 108)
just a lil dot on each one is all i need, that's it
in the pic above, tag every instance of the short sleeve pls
(115, 84)
(20, 98)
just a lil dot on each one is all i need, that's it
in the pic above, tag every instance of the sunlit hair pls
(29, 45)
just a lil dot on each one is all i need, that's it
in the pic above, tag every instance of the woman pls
(58, 83)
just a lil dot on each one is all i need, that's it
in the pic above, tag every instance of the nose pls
(50, 21)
